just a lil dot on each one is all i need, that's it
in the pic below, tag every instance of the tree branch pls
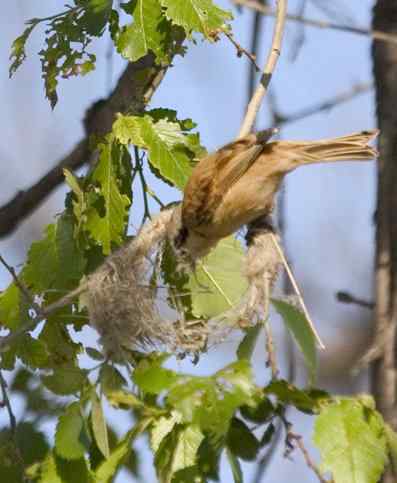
(133, 91)
(374, 34)
(259, 94)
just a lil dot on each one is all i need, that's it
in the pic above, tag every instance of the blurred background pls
(328, 209)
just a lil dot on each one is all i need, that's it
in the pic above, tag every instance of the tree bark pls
(383, 377)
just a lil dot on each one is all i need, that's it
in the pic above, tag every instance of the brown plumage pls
(237, 184)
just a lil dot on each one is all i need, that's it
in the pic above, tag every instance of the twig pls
(297, 291)
(41, 314)
(13, 422)
(348, 298)
(298, 440)
(326, 105)
(298, 42)
(257, 23)
(271, 62)
(271, 362)
(375, 34)
(242, 51)
(138, 167)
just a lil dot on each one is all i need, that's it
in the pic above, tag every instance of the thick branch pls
(133, 91)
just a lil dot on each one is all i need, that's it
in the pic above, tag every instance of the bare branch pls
(242, 51)
(253, 106)
(133, 91)
(266, 10)
(326, 105)
(271, 362)
(348, 298)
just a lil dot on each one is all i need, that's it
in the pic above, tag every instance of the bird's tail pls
(353, 147)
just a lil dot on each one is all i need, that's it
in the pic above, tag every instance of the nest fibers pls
(122, 298)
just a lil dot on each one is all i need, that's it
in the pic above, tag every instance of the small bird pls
(237, 184)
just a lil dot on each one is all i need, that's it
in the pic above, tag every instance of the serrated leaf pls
(99, 427)
(196, 15)
(221, 272)
(108, 468)
(150, 31)
(211, 402)
(108, 228)
(170, 150)
(301, 331)
(55, 262)
(162, 427)
(247, 345)
(69, 434)
(65, 380)
(18, 54)
(177, 451)
(351, 446)
(151, 378)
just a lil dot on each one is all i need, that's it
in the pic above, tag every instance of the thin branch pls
(133, 91)
(296, 439)
(297, 290)
(242, 51)
(253, 106)
(13, 421)
(348, 298)
(328, 104)
(271, 362)
(375, 34)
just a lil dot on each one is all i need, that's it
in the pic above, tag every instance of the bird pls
(237, 184)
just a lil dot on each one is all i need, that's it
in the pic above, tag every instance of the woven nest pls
(122, 297)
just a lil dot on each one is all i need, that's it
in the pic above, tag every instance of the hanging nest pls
(122, 294)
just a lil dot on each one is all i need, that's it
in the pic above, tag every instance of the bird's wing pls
(212, 178)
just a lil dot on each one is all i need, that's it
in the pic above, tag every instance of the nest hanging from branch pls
(122, 295)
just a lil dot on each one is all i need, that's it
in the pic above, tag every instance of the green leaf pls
(32, 352)
(351, 441)
(308, 401)
(221, 272)
(55, 262)
(150, 31)
(57, 470)
(66, 380)
(107, 470)
(247, 345)
(210, 402)
(170, 150)
(235, 467)
(162, 427)
(69, 436)
(99, 427)
(18, 54)
(107, 225)
(124, 400)
(13, 308)
(259, 413)
(94, 354)
(301, 331)
(177, 451)
(151, 378)
(111, 379)
(241, 441)
(62, 351)
(197, 15)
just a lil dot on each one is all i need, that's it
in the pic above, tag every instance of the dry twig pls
(242, 51)
(266, 10)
